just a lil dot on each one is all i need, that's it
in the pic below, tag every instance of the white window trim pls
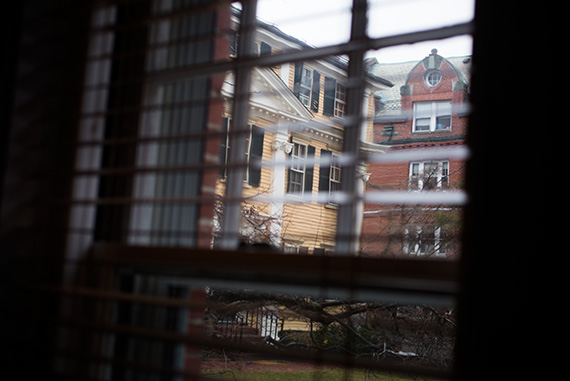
(306, 87)
(433, 117)
(334, 166)
(421, 171)
(414, 246)
(302, 170)
(429, 74)
(338, 112)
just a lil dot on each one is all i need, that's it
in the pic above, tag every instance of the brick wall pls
(384, 225)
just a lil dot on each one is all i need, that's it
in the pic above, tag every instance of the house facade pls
(424, 113)
(296, 131)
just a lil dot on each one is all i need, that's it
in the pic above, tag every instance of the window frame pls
(355, 55)
(227, 148)
(334, 168)
(295, 159)
(415, 243)
(428, 80)
(306, 87)
(433, 116)
(339, 100)
(504, 285)
(417, 181)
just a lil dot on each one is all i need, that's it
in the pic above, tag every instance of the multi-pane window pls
(335, 174)
(297, 168)
(340, 100)
(425, 240)
(432, 116)
(429, 175)
(253, 150)
(433, 78)
(305, 86)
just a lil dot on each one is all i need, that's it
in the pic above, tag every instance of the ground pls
(265, 369)
(263, 365)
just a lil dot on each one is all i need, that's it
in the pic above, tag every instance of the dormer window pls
(340, 100)
(433, 78)
(334, 98)
(305, 87)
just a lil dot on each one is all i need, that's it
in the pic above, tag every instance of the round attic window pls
(433, 78)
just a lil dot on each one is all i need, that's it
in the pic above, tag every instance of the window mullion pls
(347, 219)
(237, 135)
(433, 117)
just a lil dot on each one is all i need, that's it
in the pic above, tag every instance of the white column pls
(364, 128)
(362, 177)
(281, 148)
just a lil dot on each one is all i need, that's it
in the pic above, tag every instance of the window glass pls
(340, 100)
(433, 78)
(313, 164)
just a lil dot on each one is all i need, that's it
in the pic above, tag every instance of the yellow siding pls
(313, 223)
(370, 119)
(291, 83)
(296, 325)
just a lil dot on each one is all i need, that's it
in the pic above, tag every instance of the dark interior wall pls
(507, 231)
(46, 42)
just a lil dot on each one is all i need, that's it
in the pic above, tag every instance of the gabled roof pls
(338, 61)
(270, 97)
(398, 73)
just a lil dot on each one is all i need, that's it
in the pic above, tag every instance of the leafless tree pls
(421, 334)
(418, 230)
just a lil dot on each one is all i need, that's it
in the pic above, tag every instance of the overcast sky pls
(326, 22)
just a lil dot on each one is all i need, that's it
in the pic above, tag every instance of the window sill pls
(446, 130)
(245, 183)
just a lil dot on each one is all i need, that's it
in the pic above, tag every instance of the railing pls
(248, 326)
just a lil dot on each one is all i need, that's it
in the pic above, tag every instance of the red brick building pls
(424, 114)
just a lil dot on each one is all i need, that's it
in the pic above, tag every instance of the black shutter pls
(297, 79)
(315, 91)
(255, 155)
(309, 170)
(223, 148)
(330, 89)
(325, 171)
(264, 49)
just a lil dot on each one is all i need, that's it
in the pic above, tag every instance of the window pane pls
(422, 124)
(443, 122)
(288, 132)
(307, 77)
(443, 108)
(423, 109)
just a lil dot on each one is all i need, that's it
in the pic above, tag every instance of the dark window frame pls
(490, 282)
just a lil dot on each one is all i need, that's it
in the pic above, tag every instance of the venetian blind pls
(166, 262)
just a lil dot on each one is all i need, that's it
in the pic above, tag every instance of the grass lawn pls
(305, 375)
